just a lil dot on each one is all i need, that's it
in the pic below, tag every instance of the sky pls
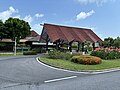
(102, 16)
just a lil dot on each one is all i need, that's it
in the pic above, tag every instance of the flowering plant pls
(86, 60)
(107, 53)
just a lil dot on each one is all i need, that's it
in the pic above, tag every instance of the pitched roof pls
(33, 38)
(9, 40)
(58, 32)
(33, 34)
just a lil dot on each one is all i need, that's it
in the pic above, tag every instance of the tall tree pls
(17, 28)
(108, 41)
(117, 42)
(2, 30)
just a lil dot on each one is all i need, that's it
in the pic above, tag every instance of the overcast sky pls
(102, 16)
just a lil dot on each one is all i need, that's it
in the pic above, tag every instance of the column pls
(70, 46)
(82, 47)
(78, 47)
(47, 43)
(93, 46)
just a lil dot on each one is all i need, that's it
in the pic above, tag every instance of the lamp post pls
(41, 25)
(15, 47)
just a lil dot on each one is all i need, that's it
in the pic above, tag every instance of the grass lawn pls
(19, 54)
(66, 64)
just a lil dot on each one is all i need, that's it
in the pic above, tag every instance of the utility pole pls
(15, 47)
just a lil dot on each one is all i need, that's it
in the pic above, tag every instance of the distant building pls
(34, 37)
(29, 40)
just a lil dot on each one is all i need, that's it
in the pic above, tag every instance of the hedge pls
(59, 55)
(86, 60)
(29, 53)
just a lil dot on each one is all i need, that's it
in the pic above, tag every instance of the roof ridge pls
(68, 26)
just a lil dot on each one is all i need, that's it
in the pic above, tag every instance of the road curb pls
(81, 72)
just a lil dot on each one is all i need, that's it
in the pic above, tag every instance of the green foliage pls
(21, 45)
(17, 28)
(90, 48)
(86, 60)
(87, 45)
(68, 65)
(100, 54)
(106, 54)
(74, 47)
(2, 44)
(59, 55)
(110, 42)
(39, 50)
(2, 30)
(29, 53)
(117, 42)
(6, 46)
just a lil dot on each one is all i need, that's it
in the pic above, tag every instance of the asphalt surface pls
(25, 70)
(25, 73)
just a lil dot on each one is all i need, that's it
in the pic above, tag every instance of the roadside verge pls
(82, 71)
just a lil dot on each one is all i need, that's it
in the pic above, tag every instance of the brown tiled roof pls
(6, 40)
(57, 32)
(33, 34)
(33, 38)
(9, 40)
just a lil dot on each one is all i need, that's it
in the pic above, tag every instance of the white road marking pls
(82, 72)
(59, 79)
(60, 68)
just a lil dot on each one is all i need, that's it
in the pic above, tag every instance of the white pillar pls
(15, 46)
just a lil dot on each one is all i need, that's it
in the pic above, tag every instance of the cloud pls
(84, 15)
(12, 12)
(17, 16)
(97, 33)
(98, 2)
(39, 15)
(8, 13)
(37, 28)
(28, 19)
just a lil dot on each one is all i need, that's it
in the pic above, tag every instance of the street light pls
(41, 25)
(15, 46)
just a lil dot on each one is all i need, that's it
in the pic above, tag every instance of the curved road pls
(26, 70)
(25, 73)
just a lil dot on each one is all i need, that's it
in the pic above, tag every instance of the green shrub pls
(102, 54)
(59, 55)
(75, 47)
(36, 49)
(86, 60)
(106, 54)
(6, 47)
(29, 53)
(67, 56)
(113, 55)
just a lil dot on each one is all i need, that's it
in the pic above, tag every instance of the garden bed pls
(67, 64)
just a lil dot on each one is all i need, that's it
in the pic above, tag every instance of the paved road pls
(25, 73)
(26, 70)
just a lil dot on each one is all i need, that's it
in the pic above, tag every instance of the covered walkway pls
(60, 35)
